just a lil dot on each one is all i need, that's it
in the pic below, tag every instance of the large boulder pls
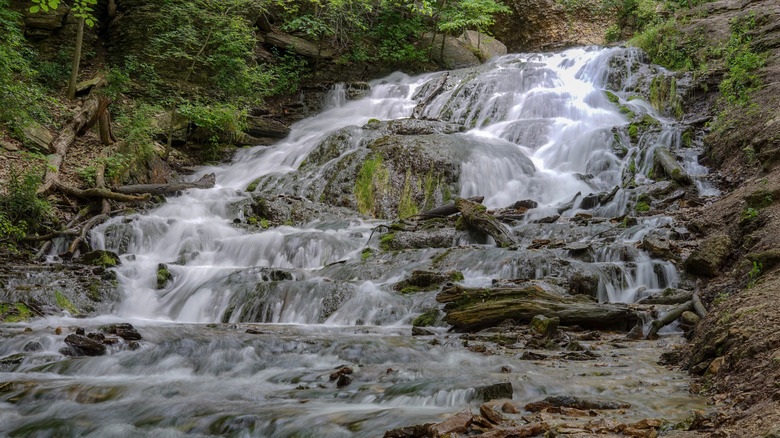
(709, 257)
(486, 45)
(456, 53)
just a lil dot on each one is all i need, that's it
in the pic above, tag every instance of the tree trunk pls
(74, 69)
(668, 318)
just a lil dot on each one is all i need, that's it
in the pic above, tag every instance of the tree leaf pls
(34, 9)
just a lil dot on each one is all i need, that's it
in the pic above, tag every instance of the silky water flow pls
(537, 126)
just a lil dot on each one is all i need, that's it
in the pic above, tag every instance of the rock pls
(456, 53)
(426, 280)
(604, 425)
(417, 331)
(668, 296)
(124, 330)
(590, 201)
(510, 408)
(487, 46)
(715, 367)
(647, 423)
(38, 136)
(33, 346)
(86, 85)
(300, 46)
(458, 423)
(83, 346)
(162, 122)
(636, 333)
(491, 414)
(164, 276)
(709, 257)
(547, 220)
(357, 90)
(690, 318)
(343, 381)
(265, 128)
(417, 431)
(544, 326)
(527, 430)
(340, 372)
(526, 203)
(494, 391)
(575, 402)
(657, 247)
(8, 146)
(105, 259)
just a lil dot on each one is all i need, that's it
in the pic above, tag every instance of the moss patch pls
(64, 303)
(372, 181)
(427, 319)
(10, 313)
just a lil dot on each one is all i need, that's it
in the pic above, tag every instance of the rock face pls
(710, 257)
(547, 25)
(84, 346)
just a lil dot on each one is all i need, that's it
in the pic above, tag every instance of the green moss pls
(163, 277)
(413, 289)
(440, 258)
(64, 303)
(366, 253)
(687, 139)
(431, 184)
(386, 241)
(760, 199)
(627, 111)
(371, 182)
(94, 291)
(612, 97)
(17, 312)
(480, 208)
(252, 221)
(406, 205)
(264, 223)
(103, 259)
(253, 185)
(460, 224)
(456, 276)
(427, 319)
(633, 131)
(642, 206)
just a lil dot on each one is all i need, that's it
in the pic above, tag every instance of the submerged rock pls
(495, 391)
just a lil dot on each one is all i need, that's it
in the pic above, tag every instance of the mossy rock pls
(545, 326)
(163, 276)
(106, 259)
(427, 319)
(710, 257)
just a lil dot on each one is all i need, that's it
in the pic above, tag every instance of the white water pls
(541, 128)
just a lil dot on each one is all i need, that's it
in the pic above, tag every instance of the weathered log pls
(447, 210)
(476, 216)
(62, 144)
(418, 110)
(82, 238)
(698, 306)
(205, 182)
(473, 309)
(671, 167)
(100, 194)
(68, 227)
(668, 318)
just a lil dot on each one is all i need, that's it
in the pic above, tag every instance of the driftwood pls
(418, 110)
(205, 182)
(477, 217)
(82, 238)
(471, 309)
(447, 210)
(668, 318)
(698, 306)
(68, 228)
(671, 167)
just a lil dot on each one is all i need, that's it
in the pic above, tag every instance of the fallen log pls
(476, 216)
(671, 167)
(447, 210)
(471, 309)
(96, 193)
(418, 110)
(62, 144)
(668, 318)
(205, 182)
(82, 238)
(698, 306)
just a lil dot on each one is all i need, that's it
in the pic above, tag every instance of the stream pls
(244, 336)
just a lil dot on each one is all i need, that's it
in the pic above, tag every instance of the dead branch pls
(205, 182)
(418, 110)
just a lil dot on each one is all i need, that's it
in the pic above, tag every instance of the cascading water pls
(539, 127)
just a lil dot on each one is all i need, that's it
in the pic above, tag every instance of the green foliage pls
(395, 35)
(755, 273)
(11, 313)
(21, 100)
(406, 205)
(741, 81)
(471, 14)
(427, 318)
(642, 206)
(371, 181)
(11, 232)
(287, 74)
(19, 201)
(115, 165)
(44, 5)
(53, 74)
(83, 9)
(669, 47)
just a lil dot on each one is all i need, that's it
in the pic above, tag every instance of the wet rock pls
(458, 423)
(33, 346)
(105, 259)
(265, 128)
(124, 330)
(547, 220)
(668, 296)
(590, 201)
(427, 319)
(164, 276)
(9, 363)
(575, 402)
(527, 430)
(526, 203)
(510, 408)
(426, 280)
(80, 331)
(530, 355)
(83, 346)
(417, 331)
(494, 391)
(658, 247)
(709, 257)
(417, 431)
(546, 327)
(343, 380)
(636, 333)
(603, 425)
(584, 283)
(647, 423)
